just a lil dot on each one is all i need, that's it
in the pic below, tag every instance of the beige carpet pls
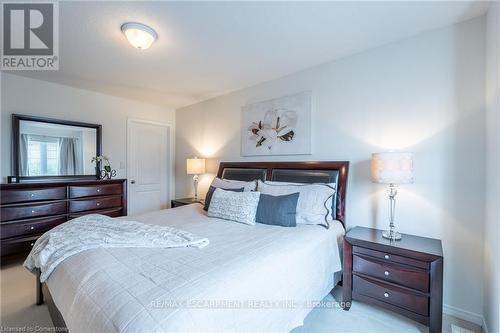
(19, 312)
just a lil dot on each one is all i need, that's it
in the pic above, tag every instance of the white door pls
(148, 166)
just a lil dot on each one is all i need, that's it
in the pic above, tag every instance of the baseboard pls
(472, 317)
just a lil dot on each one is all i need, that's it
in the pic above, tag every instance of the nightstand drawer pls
(403, 275)
(391, 294)
(390, 257)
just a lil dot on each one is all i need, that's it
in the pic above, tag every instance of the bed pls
(259, 278)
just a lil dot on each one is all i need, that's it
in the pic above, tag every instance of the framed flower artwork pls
(280, 126)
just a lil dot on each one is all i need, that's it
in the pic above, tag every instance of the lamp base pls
(195, 184)
(392, 235)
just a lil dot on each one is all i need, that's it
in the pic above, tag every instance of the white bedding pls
(233, 284)
(99, 231)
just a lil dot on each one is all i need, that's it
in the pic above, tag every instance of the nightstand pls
(404, 276)
(184, 201)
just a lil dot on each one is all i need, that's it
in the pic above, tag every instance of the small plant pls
(107, 172)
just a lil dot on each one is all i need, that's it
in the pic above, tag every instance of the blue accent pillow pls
(211, 191)
(277, 210)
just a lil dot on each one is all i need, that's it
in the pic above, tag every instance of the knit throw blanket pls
(99, 231)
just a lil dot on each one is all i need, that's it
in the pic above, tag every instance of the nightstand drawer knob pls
(387, 257)
(386, 295)
(386, 273)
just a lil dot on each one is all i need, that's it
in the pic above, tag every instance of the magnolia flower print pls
(278, 124)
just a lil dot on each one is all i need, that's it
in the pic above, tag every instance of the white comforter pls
(249, 279)
(99, 231)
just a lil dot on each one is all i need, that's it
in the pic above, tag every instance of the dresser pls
(27, 210)
(404, 276)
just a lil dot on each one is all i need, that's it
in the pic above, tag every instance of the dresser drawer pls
(390, 257)
(18, 245)
(27, 195)
(30, 227)
(28, 211)
(113, 212)
(94, 204)
(94, 190)
(387, 293)
(403, 275)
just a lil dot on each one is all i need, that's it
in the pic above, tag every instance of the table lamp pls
(393, 169)
(195, 166)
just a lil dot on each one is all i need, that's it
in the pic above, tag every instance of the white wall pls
(40, 98)
(424, 94)
(492, 224)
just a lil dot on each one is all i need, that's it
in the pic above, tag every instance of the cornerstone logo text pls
(30, 36)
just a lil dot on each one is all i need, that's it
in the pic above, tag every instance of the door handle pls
(132, 182)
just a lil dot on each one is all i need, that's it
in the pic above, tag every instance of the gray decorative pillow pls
(234, 206)
(277, 210)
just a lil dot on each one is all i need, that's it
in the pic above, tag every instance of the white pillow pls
(315, 200)
(234, 206)
(232, 184)
(329, 203)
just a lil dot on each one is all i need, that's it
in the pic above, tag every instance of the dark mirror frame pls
(17, 178)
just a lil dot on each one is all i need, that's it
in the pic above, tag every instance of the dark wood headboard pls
(300, 172)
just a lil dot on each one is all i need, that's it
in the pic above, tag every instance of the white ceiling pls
(206, 49)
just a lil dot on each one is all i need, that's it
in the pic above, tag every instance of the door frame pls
(170, 154)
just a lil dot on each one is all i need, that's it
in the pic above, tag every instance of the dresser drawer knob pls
(387, 257)
(32, 211)
(98, 204)
(32, 244)
(32, 228)
(386, 295)
(32, 195)
(386, 273)
(98, 190)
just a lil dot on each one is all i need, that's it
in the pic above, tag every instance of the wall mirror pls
(55, 149)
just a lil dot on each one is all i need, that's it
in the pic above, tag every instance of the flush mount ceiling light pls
(139, 35)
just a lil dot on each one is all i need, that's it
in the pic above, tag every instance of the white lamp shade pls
(392, 168)
(139, 35)
(195, 166)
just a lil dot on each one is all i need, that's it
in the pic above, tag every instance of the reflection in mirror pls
(49, 149)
